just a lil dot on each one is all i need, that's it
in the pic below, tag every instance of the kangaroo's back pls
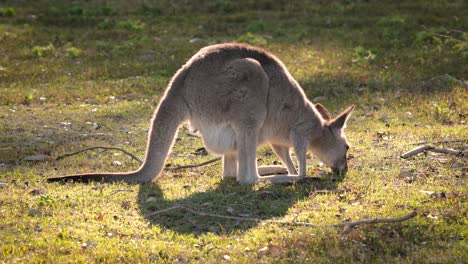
(207, 73)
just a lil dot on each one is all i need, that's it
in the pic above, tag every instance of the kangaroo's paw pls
(273, 169)
(279, 179)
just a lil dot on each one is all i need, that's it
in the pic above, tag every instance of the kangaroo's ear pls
(323, 111)
(340, 121)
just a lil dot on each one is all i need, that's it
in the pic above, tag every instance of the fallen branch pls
(66, 155)
(449, 77)
(192, 165)
(323, 191)
(442, 35)
(418, 150)
(104, 148)
(415, 151)
(447, 151)
(253, 219)
(441, 141)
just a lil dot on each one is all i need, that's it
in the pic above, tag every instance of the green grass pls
(91, 73)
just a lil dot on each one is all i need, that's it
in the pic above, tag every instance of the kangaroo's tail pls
(171, 112)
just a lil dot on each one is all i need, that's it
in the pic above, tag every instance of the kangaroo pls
(239, 97)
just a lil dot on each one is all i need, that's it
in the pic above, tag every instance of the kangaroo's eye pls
(347, 147)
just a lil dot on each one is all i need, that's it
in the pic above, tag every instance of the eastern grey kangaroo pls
(238, 97)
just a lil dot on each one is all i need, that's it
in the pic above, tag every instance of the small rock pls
(384, 118)
(405, 173)
(35, 212)
(194, 40)
(363, 89)
(3, 185)
(230, 210)
(88, 244)
(92, 101)
(427, 192)
(37, 192)
(432, 217)
(116, 163)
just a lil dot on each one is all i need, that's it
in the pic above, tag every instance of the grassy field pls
(76, 74)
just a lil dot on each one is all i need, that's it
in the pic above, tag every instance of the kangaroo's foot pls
(272, 169)
(280, 179)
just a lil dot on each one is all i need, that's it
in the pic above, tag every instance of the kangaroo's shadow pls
(226, 198)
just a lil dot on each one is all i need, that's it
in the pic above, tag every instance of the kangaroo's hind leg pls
(230, 166)
(247, 150)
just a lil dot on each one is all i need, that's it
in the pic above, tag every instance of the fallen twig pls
(441, 141)
(253, 219)
(192, 165)
(442, 35)
(323, 191)
(136, 158)
(446, 151)
(415, 151)
(420, 149)
(449, 77)
(99, 147)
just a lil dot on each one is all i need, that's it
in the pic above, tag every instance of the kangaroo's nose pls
(340, 170)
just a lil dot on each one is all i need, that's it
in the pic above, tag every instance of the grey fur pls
(239, 97)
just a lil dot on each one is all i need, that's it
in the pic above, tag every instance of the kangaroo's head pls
(332, 147)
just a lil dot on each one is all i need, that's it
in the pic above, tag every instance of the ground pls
(90, 73)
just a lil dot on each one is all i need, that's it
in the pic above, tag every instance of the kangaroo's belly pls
(218, 138)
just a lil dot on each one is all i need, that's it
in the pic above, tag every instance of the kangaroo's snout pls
(340, 169)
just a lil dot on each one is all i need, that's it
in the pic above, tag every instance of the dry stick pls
(418, 150)
(105, 148)
(252, 219)
(447, 76)
(192, 165)
(415, 151)
(455, 79)
(442, 35)
(441, 142)
(136, 158)
(446, 151)
(459, 31)
(323, 191)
